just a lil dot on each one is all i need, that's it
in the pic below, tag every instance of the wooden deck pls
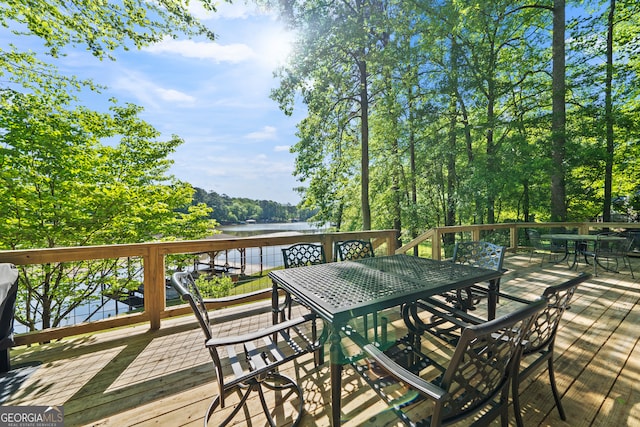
(132, 376)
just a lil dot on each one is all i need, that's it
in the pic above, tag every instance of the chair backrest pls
(354, 249)
(303, 254)
(479, 254)
(544, 326)
(534, 238)
(613, 248)
(184, 284)
(483, 360)
(8, 293)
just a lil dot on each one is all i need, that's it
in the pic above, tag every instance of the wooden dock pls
(136, 377)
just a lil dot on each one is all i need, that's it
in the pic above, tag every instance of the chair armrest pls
(424, 387)
(515, 298)
(239, 339)
(233, 298)
(452, 314)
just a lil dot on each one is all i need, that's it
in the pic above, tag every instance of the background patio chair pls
(348, 250)
(253, 358)
(546, 248)
(8, 292)
(353, 249)
(476, 377)
(611, 254)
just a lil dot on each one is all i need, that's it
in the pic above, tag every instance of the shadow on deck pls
(133, 376)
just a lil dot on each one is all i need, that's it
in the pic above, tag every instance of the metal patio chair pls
(546, 248)
(302, 254)
(476, 377)
(610, 254)
(254, 357)
(299, 255)
(538, 342)
(477, 254)
(353, 249)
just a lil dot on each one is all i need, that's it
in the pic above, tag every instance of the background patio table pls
(577, 239)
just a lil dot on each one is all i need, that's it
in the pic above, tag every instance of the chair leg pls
(287, 383)
(554, 388)
(274, 381)
(515, 398)
(5, 361)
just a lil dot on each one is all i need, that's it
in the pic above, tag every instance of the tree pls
(60, 186)
(336, 55)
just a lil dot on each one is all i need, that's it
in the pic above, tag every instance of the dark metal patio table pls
(578, 240)
(341, 291)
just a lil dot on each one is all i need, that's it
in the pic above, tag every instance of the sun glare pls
(275, 47)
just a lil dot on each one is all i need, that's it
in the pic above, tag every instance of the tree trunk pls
(558, 116)
(608, 117)
(364, 132)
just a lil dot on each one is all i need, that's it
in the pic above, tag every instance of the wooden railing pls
(153, 262)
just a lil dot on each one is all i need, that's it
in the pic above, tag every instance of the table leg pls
(336, 357)
(492, 299)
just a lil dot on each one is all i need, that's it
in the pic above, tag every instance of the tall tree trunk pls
(608, 117)
(558, 116)
(412, 167)
(526, 208)
(364, 132)
(450, 215)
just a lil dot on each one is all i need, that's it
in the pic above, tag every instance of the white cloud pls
(174, 96)
(148, 93)
(279, 148)
(267, 133)
(224, 10)
(236, 52)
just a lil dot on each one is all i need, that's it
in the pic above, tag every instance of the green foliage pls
(214, 286)
(459, 112)
(59, 186)
(101, 26)
(70, 176)
(225, 209)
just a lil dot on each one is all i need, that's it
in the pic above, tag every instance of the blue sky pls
(215, 96)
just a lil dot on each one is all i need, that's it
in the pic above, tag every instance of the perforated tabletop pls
(339, 291)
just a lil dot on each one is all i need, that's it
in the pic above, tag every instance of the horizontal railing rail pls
(154, 273)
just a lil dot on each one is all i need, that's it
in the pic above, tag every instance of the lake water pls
(259, 259)
(246, 230)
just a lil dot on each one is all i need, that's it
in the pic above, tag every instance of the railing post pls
(513, 234)
(436, 242)
(391, 242)
(154, 286)
(328, 243)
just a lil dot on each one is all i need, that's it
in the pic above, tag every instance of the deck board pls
(135, 377)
